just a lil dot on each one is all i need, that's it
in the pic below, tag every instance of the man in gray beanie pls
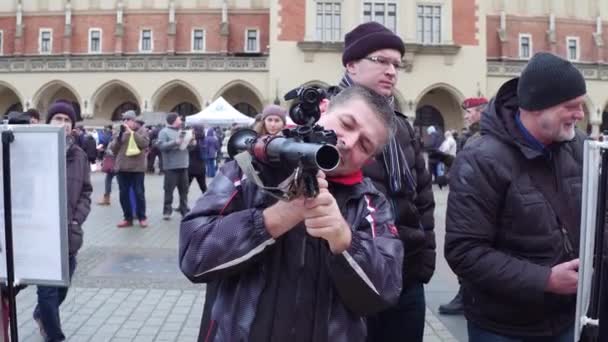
(513, 216)
(131, 168)
(372, 58)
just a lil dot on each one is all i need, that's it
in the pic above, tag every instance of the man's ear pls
(323, 105)
(351, 67)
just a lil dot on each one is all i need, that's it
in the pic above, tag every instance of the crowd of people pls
(351, 263)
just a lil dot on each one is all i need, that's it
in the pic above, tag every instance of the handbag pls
(132, 149)
(107, 164)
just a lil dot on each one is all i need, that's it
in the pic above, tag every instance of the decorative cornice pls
(127, 11)
(318, 46)
(411, 49)
(513, 68)
(131, 63)
(419, 49)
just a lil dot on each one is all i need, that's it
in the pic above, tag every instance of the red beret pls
(474, 102)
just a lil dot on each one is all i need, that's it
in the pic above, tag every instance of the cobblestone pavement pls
(127, 285)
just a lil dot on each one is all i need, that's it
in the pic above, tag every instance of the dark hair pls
(377, 103)
(34, 113)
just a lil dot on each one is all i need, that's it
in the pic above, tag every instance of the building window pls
(146, 41)
(383, 12)
(525, 46)
(573, 48)
(329, 21)
(94, 40)
(252, 41)
(198, 40)
(429, 24)
(45, 41)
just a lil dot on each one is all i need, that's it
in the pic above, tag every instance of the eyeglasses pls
(386, 62)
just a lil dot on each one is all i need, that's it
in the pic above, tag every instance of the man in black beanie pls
(372, 58)
(78, 205)
(513, 216)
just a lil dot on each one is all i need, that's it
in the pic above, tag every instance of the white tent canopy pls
(219, 113)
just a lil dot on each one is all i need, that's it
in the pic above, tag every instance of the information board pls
(39, 206)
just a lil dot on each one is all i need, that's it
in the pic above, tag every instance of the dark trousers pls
(200, 179)
(152, 154)
(210, 164)
(403, 322)
(176, 178)
(108, 183)
(47, 310)
(478, 334)
(135, 180)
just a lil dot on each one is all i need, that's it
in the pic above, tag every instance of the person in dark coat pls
(308, 269)
(79, 189)
(212, 146)
(154, 151)
(514, 208)
(196, 169)
(372, 58)
(473, 108)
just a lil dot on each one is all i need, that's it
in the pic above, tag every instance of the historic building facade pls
(178, 55)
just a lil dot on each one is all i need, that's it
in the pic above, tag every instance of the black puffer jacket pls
(292, 288)
(503, 235)
(413, 210)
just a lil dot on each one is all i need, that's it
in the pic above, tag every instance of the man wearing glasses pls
(372, 58)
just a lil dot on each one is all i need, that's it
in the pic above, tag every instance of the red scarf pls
(351, 179)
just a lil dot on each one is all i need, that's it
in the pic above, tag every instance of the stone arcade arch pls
(242, 96)
(10, 100)
(439, 106)
(53, 91)
(177, 96)
(113, 98)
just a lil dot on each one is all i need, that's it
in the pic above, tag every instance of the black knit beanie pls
(61, 107)
(367, 38)
(547, 81)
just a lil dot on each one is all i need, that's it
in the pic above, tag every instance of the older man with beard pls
(513, 216)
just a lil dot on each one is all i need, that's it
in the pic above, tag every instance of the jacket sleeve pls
(114, 145)
(165, 143)
(221, 237)
(141, 138)
(423, 266)
(477, 187)
(83, 206)
(367, 275)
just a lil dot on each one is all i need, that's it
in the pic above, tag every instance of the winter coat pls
(173, 157)
(197, 161)
(292, 287)
(471, 135)
(503, 233)
(79, 189)
(119, 148)
(413, 209)
(212, 144)
(449, 146)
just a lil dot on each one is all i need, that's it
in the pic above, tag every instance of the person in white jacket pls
(449, 145)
